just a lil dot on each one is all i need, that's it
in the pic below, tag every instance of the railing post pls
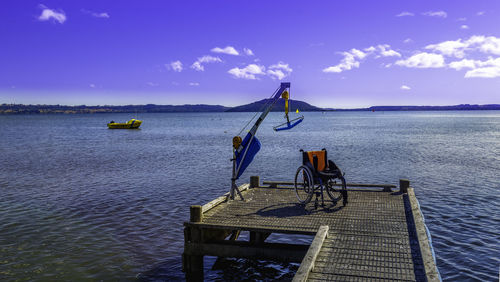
(403, 185)
(254, 181)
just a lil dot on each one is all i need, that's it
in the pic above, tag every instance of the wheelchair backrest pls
(317, 159)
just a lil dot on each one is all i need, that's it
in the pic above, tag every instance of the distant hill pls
(149, 108)
(278, 107)
(462, 107)
(252, 107)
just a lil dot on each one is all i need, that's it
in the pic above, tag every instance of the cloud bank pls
(468, 54)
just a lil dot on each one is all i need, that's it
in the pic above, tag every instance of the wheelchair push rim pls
(304, 184)
(335, 188)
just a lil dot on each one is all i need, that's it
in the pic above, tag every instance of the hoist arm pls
(283, 87)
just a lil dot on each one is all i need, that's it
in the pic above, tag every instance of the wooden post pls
(193, 264)
(258, 238)
(196, 213)
(403, 185)
(254, 181)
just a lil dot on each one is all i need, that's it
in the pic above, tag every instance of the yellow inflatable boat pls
(131, 124)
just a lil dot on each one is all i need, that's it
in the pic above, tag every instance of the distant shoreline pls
(12, 109)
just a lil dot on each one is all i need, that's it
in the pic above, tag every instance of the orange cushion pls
(321, 159)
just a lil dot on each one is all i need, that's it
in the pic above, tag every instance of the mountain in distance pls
(461, 107)
(252, 107)
(82, 109)
(152, 108)
(278, 107)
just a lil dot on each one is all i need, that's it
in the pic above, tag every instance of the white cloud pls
(408, 40)
(464, 26)
(358, 54)
(152, 84)
(176, 66)
(488, 72)
(209, 59)
(198, 65)
(281, 65)
(405, 14)
(439, 14)
(488, 44)
(279, 70)
(194, 84)
(352, 58)
(96, 15)
(348, 62)
(92, 85)
(48, 14)
(461, 19)
(449, 48)
(404, 87)
(101, 15)
(370, 49)
(487, 69)
(249, 72)
(422, 60)
(276, 74)
(227, 50)
(480, 13)
(465, 63)
(491, 62)
(386, 51)
(458, 48)
(248, 52)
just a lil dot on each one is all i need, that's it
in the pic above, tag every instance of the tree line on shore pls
(252, 107)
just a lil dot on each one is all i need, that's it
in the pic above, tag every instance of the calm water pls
(79, 201)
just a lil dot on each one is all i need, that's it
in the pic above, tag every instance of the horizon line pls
(229, 107)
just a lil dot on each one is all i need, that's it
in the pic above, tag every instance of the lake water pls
(79, 201)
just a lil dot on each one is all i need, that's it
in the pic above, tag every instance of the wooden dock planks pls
(371, 238)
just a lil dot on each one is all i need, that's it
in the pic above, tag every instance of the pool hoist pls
(244, 150)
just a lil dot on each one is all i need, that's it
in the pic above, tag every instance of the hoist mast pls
(245, 150)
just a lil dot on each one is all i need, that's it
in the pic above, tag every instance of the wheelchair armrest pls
(332, 166)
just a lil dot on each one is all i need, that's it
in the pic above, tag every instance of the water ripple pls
(80, 202)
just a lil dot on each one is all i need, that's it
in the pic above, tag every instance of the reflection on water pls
(81, 201)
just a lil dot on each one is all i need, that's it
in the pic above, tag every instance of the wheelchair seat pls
(318, 163)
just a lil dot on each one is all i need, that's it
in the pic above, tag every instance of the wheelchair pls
(317, 174)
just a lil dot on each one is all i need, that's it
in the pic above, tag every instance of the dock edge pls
(424, 239)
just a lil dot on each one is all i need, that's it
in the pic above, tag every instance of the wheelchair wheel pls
(336, 189)
(304, 184)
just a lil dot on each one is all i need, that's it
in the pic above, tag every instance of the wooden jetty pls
(379, 235)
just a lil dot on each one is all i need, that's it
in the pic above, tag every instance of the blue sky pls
(335, 53)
